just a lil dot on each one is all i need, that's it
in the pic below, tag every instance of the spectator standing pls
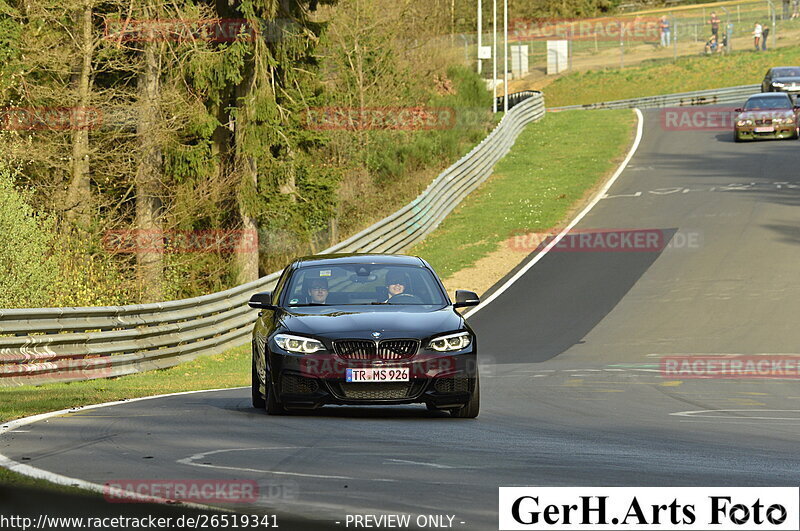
(795, 8)
(714, 25)
(757, 31)
(785, 15)
(665, 31)
(764, 35)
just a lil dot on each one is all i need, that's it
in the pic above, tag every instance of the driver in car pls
(396, 283)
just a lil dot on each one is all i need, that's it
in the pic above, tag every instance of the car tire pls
(258, 398)
(269, 403)
(471, 409)
(736, 137)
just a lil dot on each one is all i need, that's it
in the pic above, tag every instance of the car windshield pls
(786, 72)
(355, 284)
(768, 102)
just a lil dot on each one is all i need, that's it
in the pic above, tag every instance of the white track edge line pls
(599, 195)
(58, 479)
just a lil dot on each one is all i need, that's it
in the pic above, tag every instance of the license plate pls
(765, 129)
(377, 375)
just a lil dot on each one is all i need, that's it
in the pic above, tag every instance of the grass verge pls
(548, 171)
(229, 369)
(665, 77)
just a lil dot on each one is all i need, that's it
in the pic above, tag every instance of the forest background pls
(157, 150)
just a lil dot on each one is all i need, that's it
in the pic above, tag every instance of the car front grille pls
(376, 390)
(292, 384)
(387, 349)
(397, 349)
(451, 385)
(766, 121)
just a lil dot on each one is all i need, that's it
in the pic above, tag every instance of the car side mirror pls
(466, 298)
(738, 110)
(262, 301)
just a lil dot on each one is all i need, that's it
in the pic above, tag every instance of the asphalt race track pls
(571, 385)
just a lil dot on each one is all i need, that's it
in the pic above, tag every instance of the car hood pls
(765, 114)
(358, 322)
(792, 79)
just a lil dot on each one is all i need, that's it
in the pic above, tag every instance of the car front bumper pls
(778, 132)
(442, 381)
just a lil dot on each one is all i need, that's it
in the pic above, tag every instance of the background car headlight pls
(451, 342)
(777, 84)
(298, 344)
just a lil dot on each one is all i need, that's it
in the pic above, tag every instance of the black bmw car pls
(363, 329)
(782, 79)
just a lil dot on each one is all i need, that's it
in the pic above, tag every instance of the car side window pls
(281, 284)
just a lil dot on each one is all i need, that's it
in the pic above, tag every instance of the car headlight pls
(788, 120)
(777, 120)
(777, 84)
(744, 122)
(451, 342)
(298, 344)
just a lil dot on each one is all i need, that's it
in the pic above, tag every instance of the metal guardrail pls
(700, 97)
(514, 99)
(41, 345)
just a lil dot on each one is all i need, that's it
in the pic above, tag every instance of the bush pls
(27, 264)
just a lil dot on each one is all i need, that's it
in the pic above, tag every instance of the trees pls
(26, 266)
(140, 125)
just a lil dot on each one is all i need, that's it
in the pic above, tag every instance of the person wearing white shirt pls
(757, 30)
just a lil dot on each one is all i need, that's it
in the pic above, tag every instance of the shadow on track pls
(401, 412)
(527, 322)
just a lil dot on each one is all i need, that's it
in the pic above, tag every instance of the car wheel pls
(736, 137)
(471, 409)
(258, 398)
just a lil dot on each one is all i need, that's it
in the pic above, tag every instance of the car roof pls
(358, 258)
(769, 95)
